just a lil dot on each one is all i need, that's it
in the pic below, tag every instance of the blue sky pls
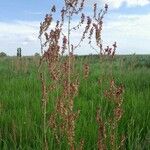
(28, 10)
(127, 22)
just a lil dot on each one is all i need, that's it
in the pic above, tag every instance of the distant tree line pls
(19, 53)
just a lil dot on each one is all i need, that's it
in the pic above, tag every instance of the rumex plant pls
(59, 76)
(63, 76)
(107, 129)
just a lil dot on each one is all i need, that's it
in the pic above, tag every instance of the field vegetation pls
(20, 105)
(58, 100)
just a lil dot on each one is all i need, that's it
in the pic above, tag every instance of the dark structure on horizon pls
(19, 52)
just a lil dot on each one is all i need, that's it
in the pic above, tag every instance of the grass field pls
(20, 103)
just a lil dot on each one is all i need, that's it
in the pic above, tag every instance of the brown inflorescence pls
(86, 70)
(115, 94)
(59, 60)
(101, 143)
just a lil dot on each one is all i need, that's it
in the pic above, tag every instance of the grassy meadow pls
(21, 125)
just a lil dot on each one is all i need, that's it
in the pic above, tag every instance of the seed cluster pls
(59, 76)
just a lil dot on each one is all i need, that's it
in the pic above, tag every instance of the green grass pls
(20, 103)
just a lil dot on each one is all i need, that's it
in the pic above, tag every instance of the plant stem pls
(69, 50)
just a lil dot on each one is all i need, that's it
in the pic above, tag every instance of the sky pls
(127, 22)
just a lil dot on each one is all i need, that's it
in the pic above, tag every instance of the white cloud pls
(19, 34)
(132, 33)
(118, 3)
